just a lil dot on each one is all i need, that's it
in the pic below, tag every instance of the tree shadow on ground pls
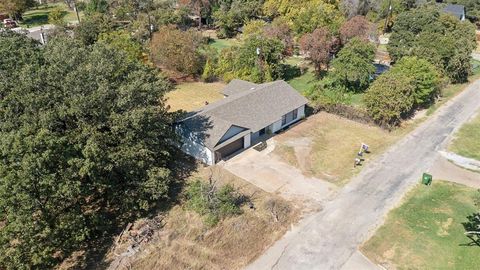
(181, 166)
(290, 72)
(39, 18)
(36, 19)
(472, 229)
(98, 249)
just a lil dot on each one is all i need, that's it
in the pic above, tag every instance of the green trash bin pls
(426, 179)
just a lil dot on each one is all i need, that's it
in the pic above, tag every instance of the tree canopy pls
(410, 84)
(121, 40)
(357, 26)
(85, 140)
(442, 39)
(178, 50)
(389, 98)
(424, 77)
(353, 67)
(232, 14)
(243, 62)
(319, 47)
(306, 16)
(15, 8)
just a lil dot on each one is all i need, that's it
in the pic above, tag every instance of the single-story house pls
(247, 113)
(455, 10)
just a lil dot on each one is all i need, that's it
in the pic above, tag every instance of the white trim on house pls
(249, 111)
(207, 156)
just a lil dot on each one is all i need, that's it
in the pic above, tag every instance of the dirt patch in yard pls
(325, 145)
(185, 242)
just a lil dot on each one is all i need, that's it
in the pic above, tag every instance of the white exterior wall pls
(301, 112)
(278, 124)
(247, 141)
(204, 154)
(198, 151)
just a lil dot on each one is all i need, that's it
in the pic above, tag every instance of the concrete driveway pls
(269, 173)
(329, 238)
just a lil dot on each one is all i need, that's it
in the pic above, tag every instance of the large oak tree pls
(85, 139)
(440, 38)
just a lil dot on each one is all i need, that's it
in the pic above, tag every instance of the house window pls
(289, 117)
(262, 132)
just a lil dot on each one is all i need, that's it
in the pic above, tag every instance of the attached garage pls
(229, 149)
(223, 128)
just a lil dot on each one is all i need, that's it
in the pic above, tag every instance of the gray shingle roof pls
(236, 86)
(252, 109)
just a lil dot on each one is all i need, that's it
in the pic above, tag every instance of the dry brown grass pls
(335, 143)
(186, 243)
(190, 96)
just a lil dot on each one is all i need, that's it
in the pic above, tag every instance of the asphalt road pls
(327, 239)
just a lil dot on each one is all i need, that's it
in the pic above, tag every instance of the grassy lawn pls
(192, 95)
(301, 82)
(335, 142)
(39, 16)
(221, 44)
(467, 140)
(426, 231)
(304, 82)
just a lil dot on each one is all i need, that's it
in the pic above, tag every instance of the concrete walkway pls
(329, 238)
(358, 261)
(445, 170)
(467, 163)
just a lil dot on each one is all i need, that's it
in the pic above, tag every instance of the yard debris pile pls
(132, 239)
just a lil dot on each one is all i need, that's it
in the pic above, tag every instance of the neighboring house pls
(455, 10)
(247, 113)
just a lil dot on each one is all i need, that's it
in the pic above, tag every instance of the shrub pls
(243, 62)
(390, 98)
(425, 78)
(353, 68)
(212, 203)
(279, 209)
(208, 74)
(56, 17)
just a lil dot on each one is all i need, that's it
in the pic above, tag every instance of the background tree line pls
(86, 139)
